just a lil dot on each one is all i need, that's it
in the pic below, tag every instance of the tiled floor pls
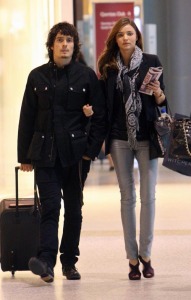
(102, 262)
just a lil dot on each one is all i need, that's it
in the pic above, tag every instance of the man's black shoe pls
(41, 268)
(71, 272)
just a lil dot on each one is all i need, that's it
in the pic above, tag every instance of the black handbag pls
(163, 126)
(178, 153)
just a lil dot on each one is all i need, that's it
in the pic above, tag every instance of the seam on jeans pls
(80, 180)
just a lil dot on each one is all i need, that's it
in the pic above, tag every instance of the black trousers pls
(55, 184)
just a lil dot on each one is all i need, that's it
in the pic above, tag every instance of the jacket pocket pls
(43, 92)
(35, 149)
(76, 98)
(78, 142)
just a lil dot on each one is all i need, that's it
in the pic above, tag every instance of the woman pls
(123, 66)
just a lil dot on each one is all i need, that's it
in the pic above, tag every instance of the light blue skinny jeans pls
(123, 159)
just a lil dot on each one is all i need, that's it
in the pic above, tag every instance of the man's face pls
(63, 47)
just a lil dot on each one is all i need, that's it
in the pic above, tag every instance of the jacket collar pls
(53, 66)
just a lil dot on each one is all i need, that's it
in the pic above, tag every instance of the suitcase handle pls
(37, 206)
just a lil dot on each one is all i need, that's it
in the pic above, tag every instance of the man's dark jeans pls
(54, 184)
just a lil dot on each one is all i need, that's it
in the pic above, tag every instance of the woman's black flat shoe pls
(148, 271)
(134, 274)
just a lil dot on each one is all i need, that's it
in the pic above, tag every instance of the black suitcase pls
(19, 230)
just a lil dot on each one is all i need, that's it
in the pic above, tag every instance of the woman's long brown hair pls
(107, 59)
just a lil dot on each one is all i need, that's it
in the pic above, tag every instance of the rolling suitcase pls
(19, 230)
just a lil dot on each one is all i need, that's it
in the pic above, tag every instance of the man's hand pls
(26, 167)
(86, 157)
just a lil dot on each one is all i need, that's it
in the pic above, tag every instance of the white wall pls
(23, 32)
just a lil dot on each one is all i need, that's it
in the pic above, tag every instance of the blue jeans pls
(123, 158)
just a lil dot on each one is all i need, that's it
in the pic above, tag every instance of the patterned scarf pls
(132, 100)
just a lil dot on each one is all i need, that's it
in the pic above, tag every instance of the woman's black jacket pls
(148, 102)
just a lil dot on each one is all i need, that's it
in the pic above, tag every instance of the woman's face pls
(126, 39)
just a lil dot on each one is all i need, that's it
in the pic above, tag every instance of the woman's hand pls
(88, 111)
(157, 92)
(154, 86)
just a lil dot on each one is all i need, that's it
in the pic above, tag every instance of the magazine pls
(153, 74)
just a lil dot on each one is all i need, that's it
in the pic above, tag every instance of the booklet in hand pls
(153, 74)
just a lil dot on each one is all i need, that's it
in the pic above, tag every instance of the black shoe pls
(148, 271)
(134, 274)
(71, 272)
(41, 268)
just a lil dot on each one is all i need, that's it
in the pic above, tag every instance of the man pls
(52, 138)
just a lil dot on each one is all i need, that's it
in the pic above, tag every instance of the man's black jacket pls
(52, 121)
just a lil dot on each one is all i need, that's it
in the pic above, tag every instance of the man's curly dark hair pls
(64, 28)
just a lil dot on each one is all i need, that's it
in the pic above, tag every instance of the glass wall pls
(23, 32)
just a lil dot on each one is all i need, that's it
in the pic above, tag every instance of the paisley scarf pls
(132, 100)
